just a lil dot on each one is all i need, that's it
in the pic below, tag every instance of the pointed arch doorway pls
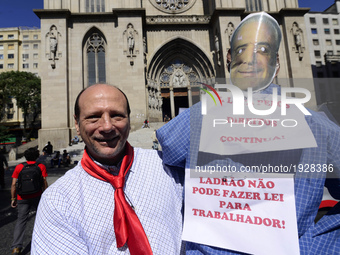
(174, 76)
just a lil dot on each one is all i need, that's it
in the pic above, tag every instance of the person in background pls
(25, 203)
(56, 160)
(146, 124)
(48, 149)
(65, 158)
(3, 167)
(166, 118)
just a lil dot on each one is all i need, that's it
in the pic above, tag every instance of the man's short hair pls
(77, 108)
(31, 154)
(263, 18)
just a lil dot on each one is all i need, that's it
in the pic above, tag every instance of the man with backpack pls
(29, 181)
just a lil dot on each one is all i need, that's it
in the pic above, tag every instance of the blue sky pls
(14, 13)
(316, 5)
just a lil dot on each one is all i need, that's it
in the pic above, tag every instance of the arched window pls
(95, 5)
(254, 5)
(95, 59)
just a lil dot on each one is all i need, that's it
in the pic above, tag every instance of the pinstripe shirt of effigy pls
(75, 214)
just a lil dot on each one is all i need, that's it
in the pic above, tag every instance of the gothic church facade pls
(159, 52)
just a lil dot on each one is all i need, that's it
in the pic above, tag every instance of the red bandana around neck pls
(125, 221)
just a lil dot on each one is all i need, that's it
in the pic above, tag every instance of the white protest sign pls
(251, 215)
(227, 134)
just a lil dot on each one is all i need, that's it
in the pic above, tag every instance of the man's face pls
(253, 62)
(103, 123)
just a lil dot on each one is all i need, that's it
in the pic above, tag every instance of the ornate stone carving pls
(188, 19)
(145, 52)
(179, 79)
(173, 6)
(177, 75)
(217, 49)
(155, 100)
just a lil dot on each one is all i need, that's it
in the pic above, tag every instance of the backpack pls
(30, 180)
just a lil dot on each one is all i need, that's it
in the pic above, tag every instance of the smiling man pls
(118, 199)
(103, 123)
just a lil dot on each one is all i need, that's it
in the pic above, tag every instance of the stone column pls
(172, 103)
(189, 97)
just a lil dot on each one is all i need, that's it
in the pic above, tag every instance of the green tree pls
(25, 88)
(4, 134)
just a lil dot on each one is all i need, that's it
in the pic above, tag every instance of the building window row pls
(317, 53)
(327, 31)
(328, 42)
(325, 21)
(26, 65)
(25, 56)
(26, 37)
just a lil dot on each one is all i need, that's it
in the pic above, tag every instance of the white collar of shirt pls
(114, 170)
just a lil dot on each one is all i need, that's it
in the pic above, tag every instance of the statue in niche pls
(53, 44)
(298, 41)
(154, 100)
(145, 51)
(229, 31)
(150, 98)
(52, 40)
(131, 42)
(217, 44)
(160, 100)
(217, 49)
(144, 45)
(130, 36)
(130, 32)
(160, 103)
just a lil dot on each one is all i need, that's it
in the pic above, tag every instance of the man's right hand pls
(14, 203)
